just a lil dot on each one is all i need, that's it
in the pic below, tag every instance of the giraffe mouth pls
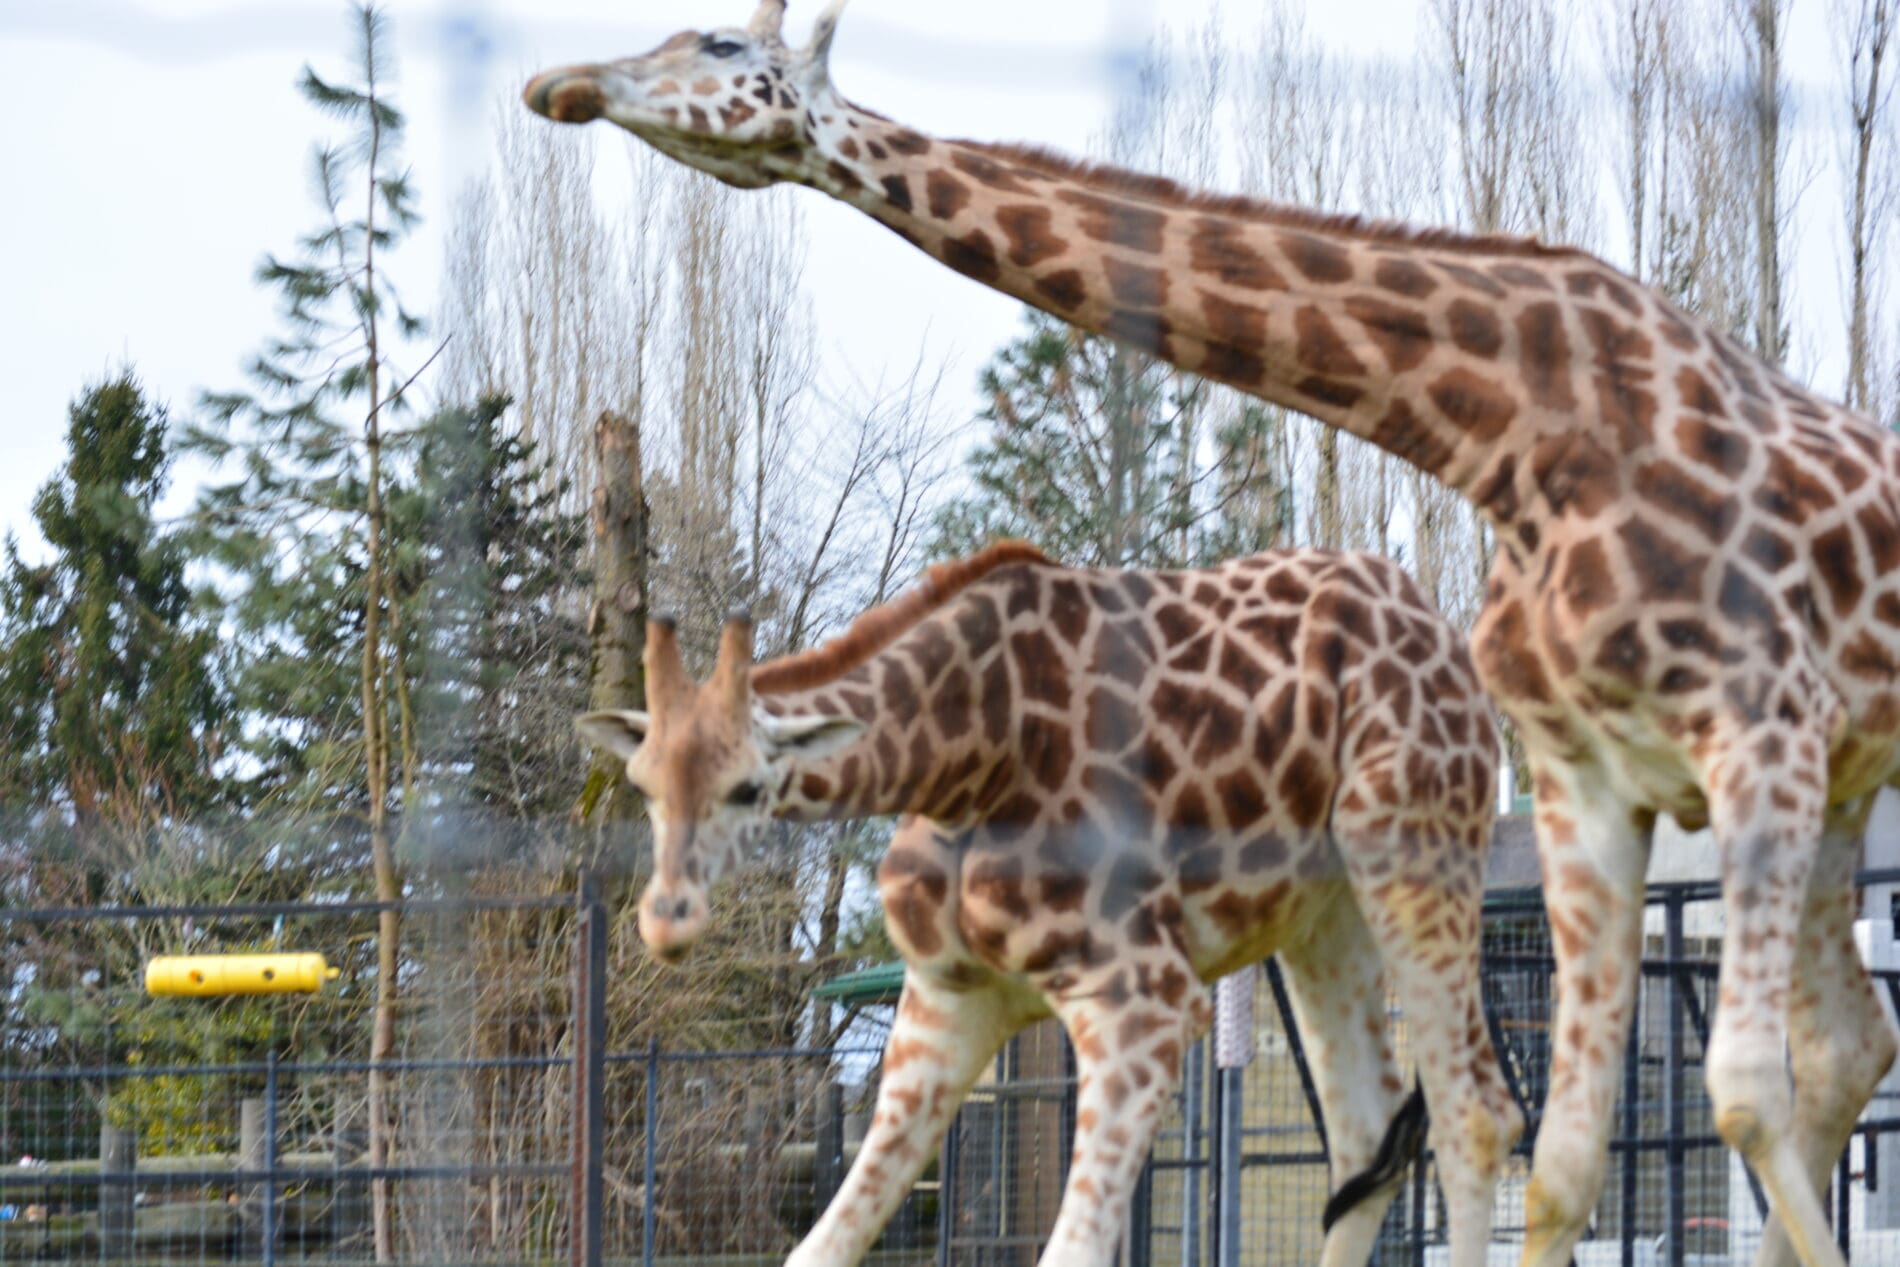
(566, 96)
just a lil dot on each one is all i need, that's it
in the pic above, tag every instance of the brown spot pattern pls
(946, 195)
(1117, 223)
(1028, 233)
(1477, 406)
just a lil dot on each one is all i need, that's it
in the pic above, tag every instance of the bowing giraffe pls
(1695, 601)
(1117, 785)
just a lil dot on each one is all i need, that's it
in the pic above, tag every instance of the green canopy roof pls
(865, 987)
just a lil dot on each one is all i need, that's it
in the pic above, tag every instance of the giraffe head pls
(725, 101)
(711, 765)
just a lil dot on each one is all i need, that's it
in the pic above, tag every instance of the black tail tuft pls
(1403, 1142)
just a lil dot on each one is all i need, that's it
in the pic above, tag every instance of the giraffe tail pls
(1404, 1141)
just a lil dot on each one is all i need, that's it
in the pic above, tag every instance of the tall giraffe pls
(1117, 785)
(1695, 603)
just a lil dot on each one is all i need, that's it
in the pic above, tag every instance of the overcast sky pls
(154, 150)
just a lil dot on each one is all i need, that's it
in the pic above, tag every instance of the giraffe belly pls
(1250, 916)
(1049, 925)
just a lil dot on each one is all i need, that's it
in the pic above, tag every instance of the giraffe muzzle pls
(671, 921)
(570, 95)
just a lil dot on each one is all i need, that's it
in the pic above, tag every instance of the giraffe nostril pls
(682, 907)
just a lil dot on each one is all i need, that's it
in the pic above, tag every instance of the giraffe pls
(1694, 605)
(1115, 786)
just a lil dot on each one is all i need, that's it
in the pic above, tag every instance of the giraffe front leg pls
(1129, 1046)
(938, 1047)
(1593, 853)
(1839, 1038)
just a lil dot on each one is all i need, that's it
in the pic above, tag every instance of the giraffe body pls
(1695, 602)
(1116, 786)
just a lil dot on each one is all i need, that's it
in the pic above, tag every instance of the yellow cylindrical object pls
(214, 976)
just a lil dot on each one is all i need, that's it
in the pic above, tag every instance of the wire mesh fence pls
(512, 1132)
(195, 1129)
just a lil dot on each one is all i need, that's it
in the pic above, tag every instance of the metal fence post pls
(1227, 1174)
(1421, 1193)
(1675, 1199)
(1233, 1051)
(269, 1232)
(1632, 1129)
(590, 1050)
(118, 1159)
(1138, 1232)
(1191, 1155)
(827, 1171)
(651, 1168)
(349, 1208)
(250, 1161)
(947, 1189)
(1844, 1197)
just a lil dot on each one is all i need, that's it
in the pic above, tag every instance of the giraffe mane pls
(876, 629)
(1108, 179)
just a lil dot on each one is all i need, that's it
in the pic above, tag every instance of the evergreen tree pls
(1092, 454)
(112, 709)
(300, 533)
(496, 577)
(113, 713)
(303, 531)
(1079, 451)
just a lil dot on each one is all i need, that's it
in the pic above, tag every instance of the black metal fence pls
(511, 1133)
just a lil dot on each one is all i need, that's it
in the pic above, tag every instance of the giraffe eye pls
(722, 48)
(745, 795)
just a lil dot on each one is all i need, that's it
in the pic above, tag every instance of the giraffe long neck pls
(936, 744)
(1445, 352)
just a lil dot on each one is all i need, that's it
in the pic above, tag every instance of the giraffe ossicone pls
(1694, 605)
(1115, 786)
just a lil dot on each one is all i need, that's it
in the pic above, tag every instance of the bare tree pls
(1635, 39)
(553, 302)
(1706, 247)
(1762, 25)
(1504, 69)
(1863, 30)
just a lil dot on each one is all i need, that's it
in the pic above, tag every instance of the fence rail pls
(581, 1152)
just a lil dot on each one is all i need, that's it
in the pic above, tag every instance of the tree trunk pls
(382, 857)
(616, 627)
(382, 1045)
(1867, 43)
(1765, 27)
(1329, 524)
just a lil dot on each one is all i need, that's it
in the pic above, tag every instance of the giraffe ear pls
(822, 33)
(808, 738)
(767, 20)
(620, 732)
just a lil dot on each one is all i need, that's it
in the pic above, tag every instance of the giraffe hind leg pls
(1593, 852)
(1404, 1142)
(1338, 988)
(1423, 905)
(1839, 1037)
(1767, 788)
